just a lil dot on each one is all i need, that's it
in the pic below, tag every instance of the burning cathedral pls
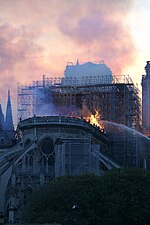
(87, 121)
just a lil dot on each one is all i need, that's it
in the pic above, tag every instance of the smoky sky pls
(102, 29)
(18, 51)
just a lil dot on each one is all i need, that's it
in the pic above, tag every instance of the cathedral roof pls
(88, 69)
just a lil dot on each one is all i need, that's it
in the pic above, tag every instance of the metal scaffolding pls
(118, 101)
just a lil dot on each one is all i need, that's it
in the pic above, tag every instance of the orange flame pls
(94, 119)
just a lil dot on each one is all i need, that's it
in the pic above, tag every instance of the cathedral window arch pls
(47, 146)
(47, 149)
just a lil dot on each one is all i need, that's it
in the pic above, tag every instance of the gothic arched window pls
(47, 146)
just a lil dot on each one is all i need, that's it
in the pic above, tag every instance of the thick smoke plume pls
(18, 55)
(101, 29)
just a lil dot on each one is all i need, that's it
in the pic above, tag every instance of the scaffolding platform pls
(118, 101)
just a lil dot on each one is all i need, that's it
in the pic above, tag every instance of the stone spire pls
(8, 120)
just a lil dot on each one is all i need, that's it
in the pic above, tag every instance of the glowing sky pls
(40, 36)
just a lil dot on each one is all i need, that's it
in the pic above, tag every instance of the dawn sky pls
(40, 36)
